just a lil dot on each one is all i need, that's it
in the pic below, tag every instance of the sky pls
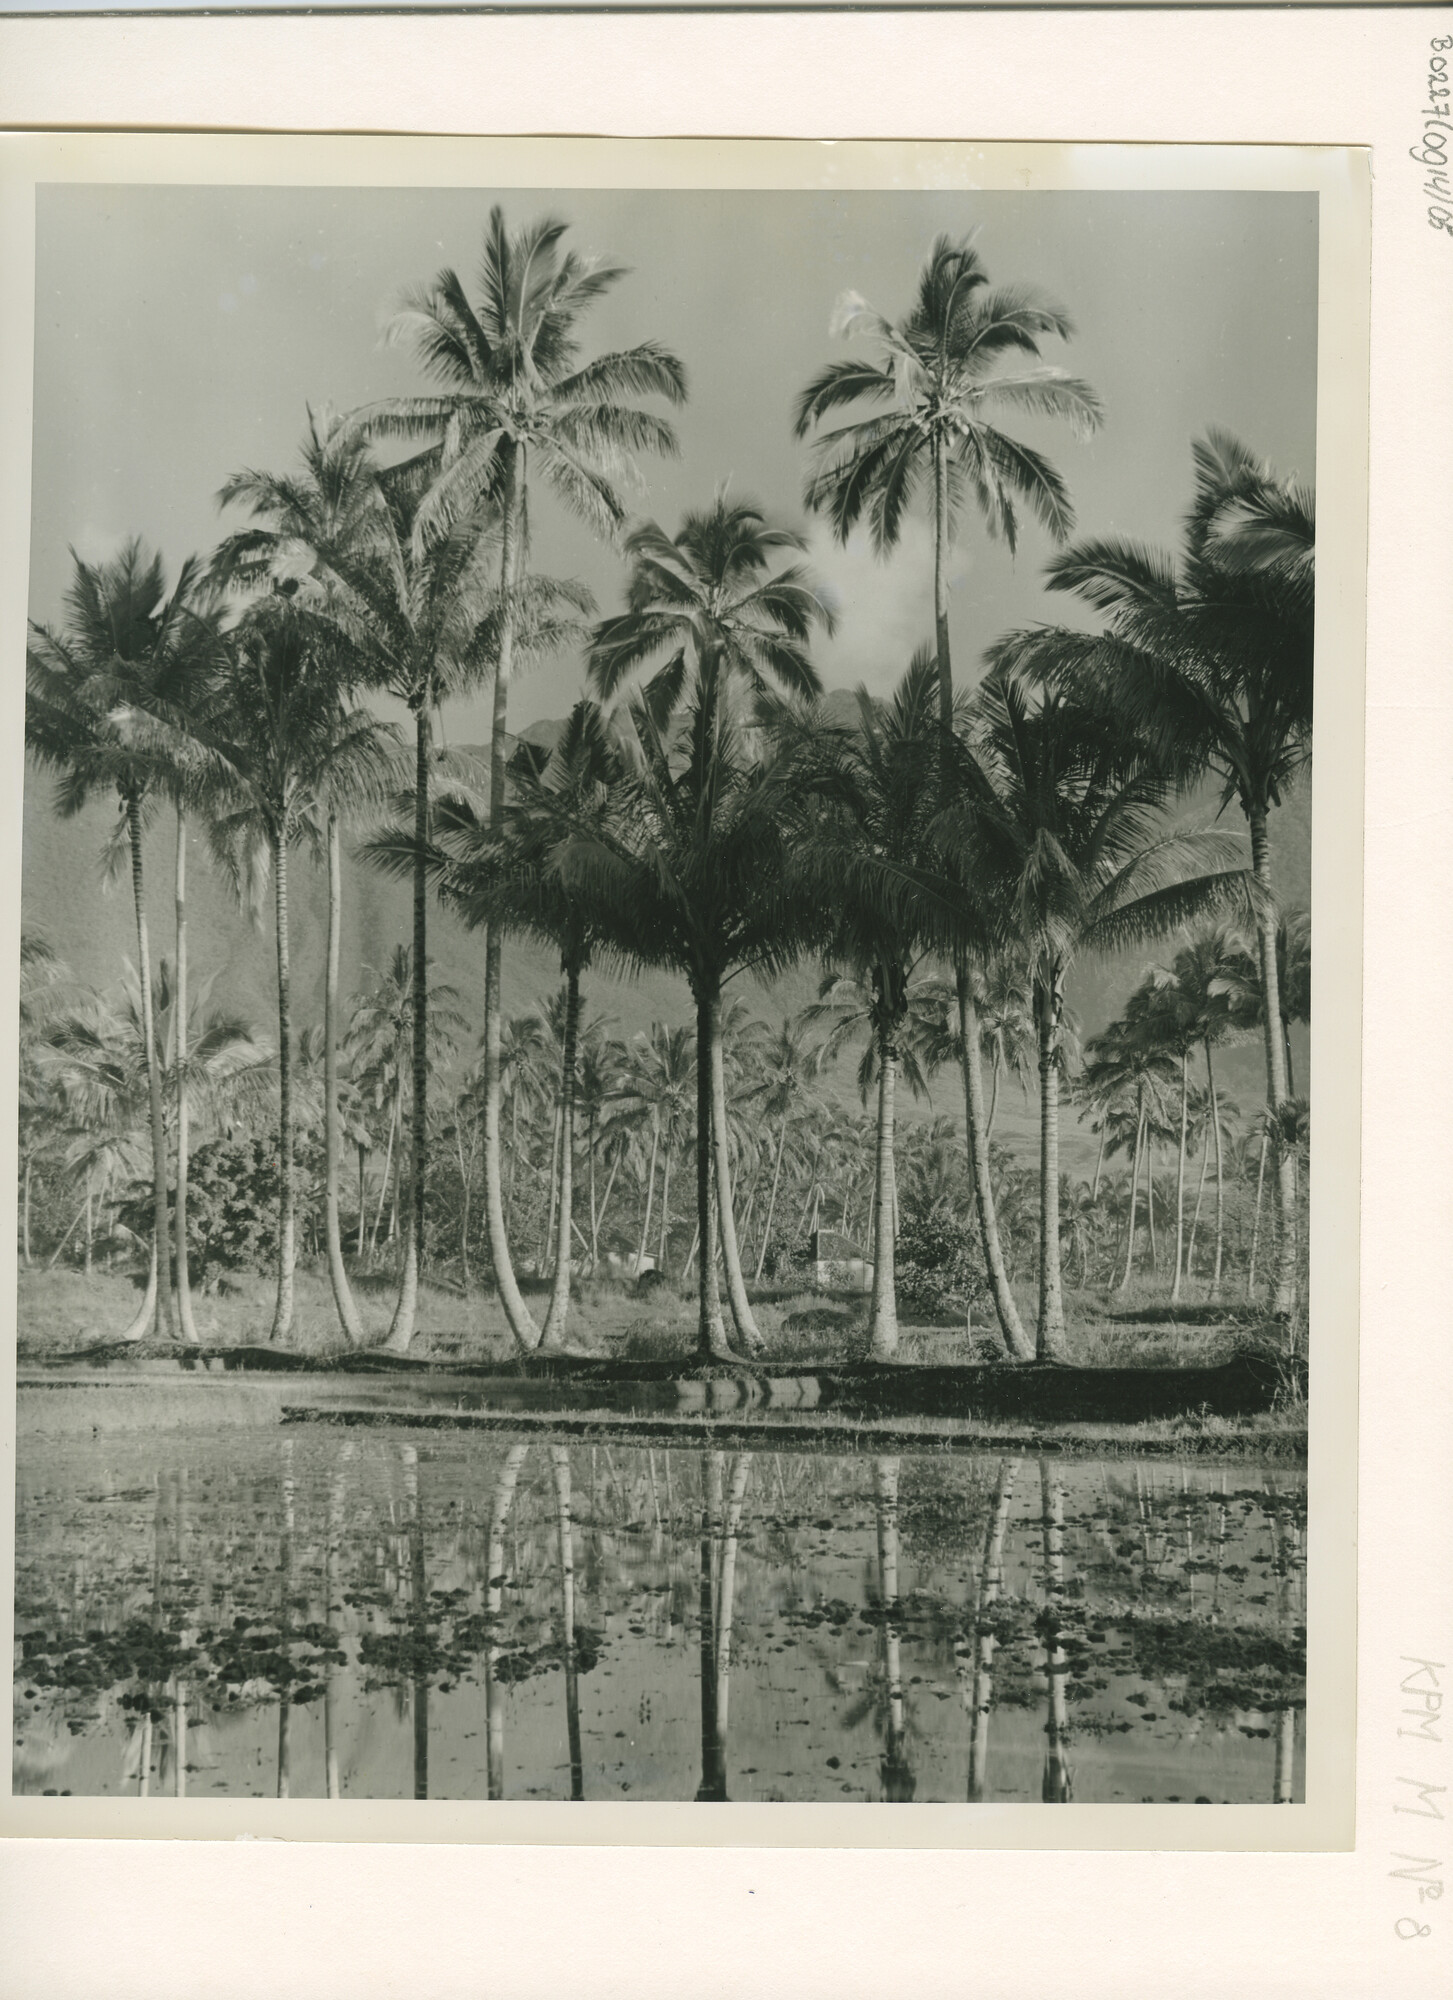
(183, 331)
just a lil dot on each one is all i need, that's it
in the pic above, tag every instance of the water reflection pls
(399, 1615)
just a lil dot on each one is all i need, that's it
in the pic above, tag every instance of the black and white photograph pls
(665, 1143)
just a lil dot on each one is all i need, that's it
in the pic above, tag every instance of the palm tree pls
(512, 394)
(690, 873)
(331, 504)
(663, 1078)
(1209, 978)
(935, 372)
(1065, 830)
(280, 752)
(790, 1063)
(1212, 661)
(1128, 1071)
(505, 873)
(709, 620)
(127, 645)
(873, 833)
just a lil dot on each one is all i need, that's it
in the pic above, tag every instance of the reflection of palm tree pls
(418, 1618)
(990, 1585)
(504, 1496)
(330, 1606)
(899, 1783)
(721, 1521)
(560, 1468)
(285, 1619)
(1058, 1785)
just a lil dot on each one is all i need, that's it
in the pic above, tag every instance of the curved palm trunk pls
(1196, 1211)
(144, 1312)
(401, 1328)
(711, 1339)
(1220, 1180)
(772, 1200)
(504, 1497)
(1050, 1340)
(884, 1325)
(282, 1318)
(1134, 1189)
(521, 1320)
(554, 1330)
(1057, 1787)
(665, 1244)
(1016, 1340)
(560, 1466)
(184, 1287)
(650, 1191)
(1175, 1289)
(748, 1332)
(989, 1592)
(1099, 1163)
(897, 1774)
(1256, 1217)
(161, 1231)
(342, 1292)
(1284, 1288)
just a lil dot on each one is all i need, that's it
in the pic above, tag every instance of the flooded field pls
(391, 1615)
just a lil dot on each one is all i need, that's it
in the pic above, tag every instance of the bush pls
(939, 1268)
(233, 1191)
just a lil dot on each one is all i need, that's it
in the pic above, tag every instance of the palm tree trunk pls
(884, 1324)
(1284, 1289)
(1220, 1183)
(650, 1191)
(665, 1244)
(1196, 1212)
(554, 1329)
(138, 1326)
(362, 1202)
(1150, 1199)
(1175, 1289)
(463, 1204)
(286, 1248)
(940, 594)
(1134, 1189)
(401, 1329)
(748, 1332)
(1256, 1216)
(184, 1287)
(989, 1591)
(711, 1340)
(1050, 1339)
(160, 1222)
(521, 1320)
(590, 1179)
(772, 1198)
(1016, 1340)
(342, 1292)
(388, 1167)
(25, 1215)
(1099, 1163)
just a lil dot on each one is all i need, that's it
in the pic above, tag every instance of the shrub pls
(939, 1267)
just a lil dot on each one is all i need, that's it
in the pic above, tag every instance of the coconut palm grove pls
(934, 1052)
(938, 863)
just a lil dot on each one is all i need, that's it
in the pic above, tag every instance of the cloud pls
(884, 606)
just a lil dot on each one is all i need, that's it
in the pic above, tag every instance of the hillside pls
(92, 928)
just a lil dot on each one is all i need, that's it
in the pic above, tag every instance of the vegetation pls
(942, 862)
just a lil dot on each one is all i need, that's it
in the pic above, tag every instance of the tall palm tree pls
(1066, 829)
(1208, 976)
(710, 620)
(332, 502)
(690, 874)
(1128, 1071)
(505, 873)
(514, 397)
(127, 645)
(279, 754)
(878, 796)
(1211, 659)
(937, 379)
